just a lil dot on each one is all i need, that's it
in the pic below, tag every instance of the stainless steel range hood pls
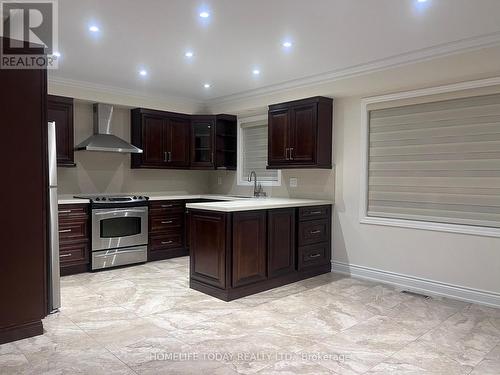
(103, 140)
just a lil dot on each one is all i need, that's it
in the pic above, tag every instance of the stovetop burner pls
(107, 199)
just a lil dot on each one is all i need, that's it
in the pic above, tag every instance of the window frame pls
(405, 223)
(243, 180)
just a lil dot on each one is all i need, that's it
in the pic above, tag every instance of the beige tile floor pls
(145, 320)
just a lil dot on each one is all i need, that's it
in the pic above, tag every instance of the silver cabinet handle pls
(315, 213)
(315, 255)
(315, 231)
(166, 205)
(166, 242)
(291, 153)
(167, 222)
(65, 230)
(169, 156)
(65, 212)
(286, 153)
(65, 255)
(212, 158)
(165, 157)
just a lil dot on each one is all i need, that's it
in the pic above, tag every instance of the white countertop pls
(69, 198)
(251, 204)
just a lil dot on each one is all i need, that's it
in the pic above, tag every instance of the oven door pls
(119, 227)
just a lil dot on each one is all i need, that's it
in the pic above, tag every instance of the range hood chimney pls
(102, 139)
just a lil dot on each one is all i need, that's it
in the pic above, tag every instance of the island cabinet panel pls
(249, 247)
(281, 241)
(236, 254)
(208, 248)
(60, 110)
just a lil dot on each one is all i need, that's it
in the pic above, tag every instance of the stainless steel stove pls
(119, 229)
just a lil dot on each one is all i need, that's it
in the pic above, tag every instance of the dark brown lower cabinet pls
(281, 241)
(242, 253)
(208, 248)
(249, 247)
(166, 230)
(74, 238)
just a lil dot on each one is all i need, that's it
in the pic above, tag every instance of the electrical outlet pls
(294, 182)
(219, 180)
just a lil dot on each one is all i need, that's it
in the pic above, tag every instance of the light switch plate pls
(294, 182)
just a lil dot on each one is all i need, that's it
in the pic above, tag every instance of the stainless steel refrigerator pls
(54, 276)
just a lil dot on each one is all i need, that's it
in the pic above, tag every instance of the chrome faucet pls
(257, 190)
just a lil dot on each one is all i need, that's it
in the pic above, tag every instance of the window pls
(434, 165)
(252, 152)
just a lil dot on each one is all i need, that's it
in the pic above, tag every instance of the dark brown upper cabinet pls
(163, 137)
(60, 110)
(213, 142)
(202, 142)
(300, 134)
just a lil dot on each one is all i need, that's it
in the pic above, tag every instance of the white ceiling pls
(329, 36)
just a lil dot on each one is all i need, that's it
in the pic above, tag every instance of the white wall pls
(107, 172)
(464, 260)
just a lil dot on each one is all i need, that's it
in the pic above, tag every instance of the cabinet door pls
(281, 241)
(177, 140)
(154, 152)
(303, 132)
(208, 247)
(60, 110)
(278, 128)
(249, 247)
(202, 144)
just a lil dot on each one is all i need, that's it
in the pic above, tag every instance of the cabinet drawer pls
(158, 208)
(314, 212)
(314, 231)
(72, 210)
(74, 253)
(313, 255)
(161, 224)
(174, 240)
(73, 229)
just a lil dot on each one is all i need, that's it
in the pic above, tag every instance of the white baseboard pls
(419, 285)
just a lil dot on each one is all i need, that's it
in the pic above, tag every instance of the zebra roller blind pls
(436, 162)
(254, 142)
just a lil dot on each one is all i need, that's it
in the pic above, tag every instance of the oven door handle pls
(120, 212)
(118, 253)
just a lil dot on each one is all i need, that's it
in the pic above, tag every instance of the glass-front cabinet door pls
(202, 142)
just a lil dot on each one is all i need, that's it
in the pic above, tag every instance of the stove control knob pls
(135, 197)
(141, 197)
(103, 198)
(98, 199)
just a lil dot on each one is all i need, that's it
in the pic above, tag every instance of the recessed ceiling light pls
(143, 72)
(94, 28)
(204, 14)
(206, 85)
(189, 54)
(287, 44)
(56, 54)
(256, 72)
(421, 1)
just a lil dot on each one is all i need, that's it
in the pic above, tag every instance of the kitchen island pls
(243, 247)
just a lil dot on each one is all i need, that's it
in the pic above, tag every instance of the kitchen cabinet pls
(236, 254)
(163, 137)
(202, 142)
(249, 247)
(208, 264)
(300, 134)
(74, 238)
(281, 241)
(166, 230)
(23, 255)
(60, 110)
(213, 142)
(180, 141)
